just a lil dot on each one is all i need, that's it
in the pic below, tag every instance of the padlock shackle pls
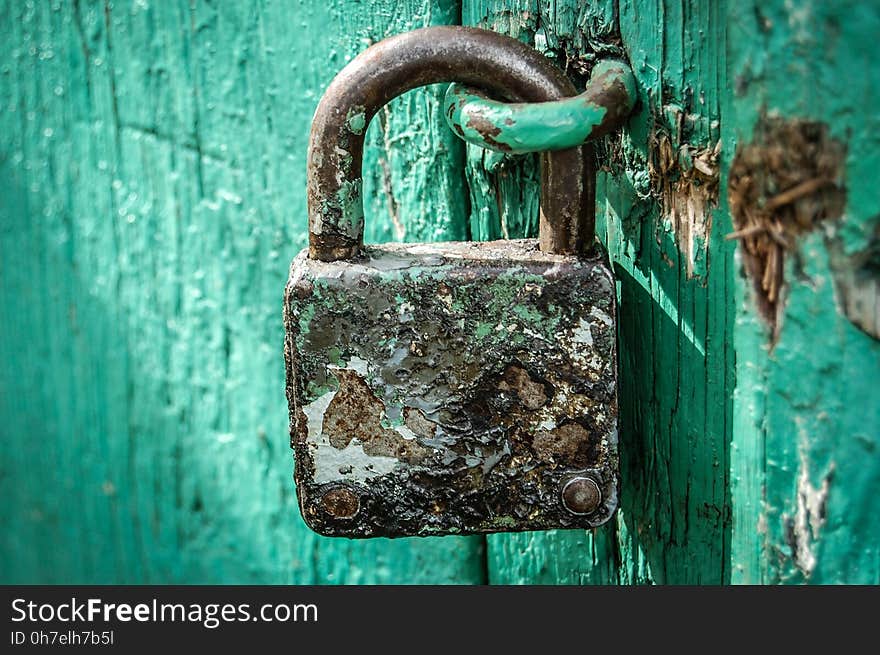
(494, 62)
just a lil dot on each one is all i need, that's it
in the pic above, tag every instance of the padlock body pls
(451, 389)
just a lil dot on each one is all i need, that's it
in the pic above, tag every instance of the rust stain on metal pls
(494, 62)
(451, 388)
(356, 413)
(340, 503)
(487, 130)
(530, 393)
(569, 442)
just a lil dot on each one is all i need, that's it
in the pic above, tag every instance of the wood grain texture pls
(740, 462)
(675, 358)
(805, 470)
(152, 195)
(153, 174)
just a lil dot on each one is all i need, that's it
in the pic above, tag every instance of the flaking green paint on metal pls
(153, 176)
(518, 128)
(429, 428)
(524, 128)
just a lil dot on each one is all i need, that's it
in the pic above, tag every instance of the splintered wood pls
(782, 185)
(686, 179)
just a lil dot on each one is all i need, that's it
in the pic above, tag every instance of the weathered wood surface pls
(805, 470)
(675, 317)
(153, 174)
(741, 462)
(152, 194)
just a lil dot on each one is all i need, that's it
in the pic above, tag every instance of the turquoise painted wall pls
(152, 195)
(152, 163)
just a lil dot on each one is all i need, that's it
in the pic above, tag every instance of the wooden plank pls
(770, 479)
(153, 176)
(676, 294)
(152, 167)
(807, 422)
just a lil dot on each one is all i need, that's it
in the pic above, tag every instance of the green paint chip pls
(357, 122)
(483, 329)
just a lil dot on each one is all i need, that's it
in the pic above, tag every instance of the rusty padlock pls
(451, 387)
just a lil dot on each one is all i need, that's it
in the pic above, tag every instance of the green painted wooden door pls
(152, 195)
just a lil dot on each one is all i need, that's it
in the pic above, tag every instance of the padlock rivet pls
(341, 503)
(581, 495)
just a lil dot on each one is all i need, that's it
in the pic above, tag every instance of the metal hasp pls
(521, 127)
(449, 388)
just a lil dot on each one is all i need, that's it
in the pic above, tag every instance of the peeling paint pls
(331, 462)
(803, 530)
(350, 464)
(465, 382)
(582, 334)
(685, 177)
(517, 128)
(357, 120)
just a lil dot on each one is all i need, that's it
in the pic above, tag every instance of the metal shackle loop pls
(480, 58)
